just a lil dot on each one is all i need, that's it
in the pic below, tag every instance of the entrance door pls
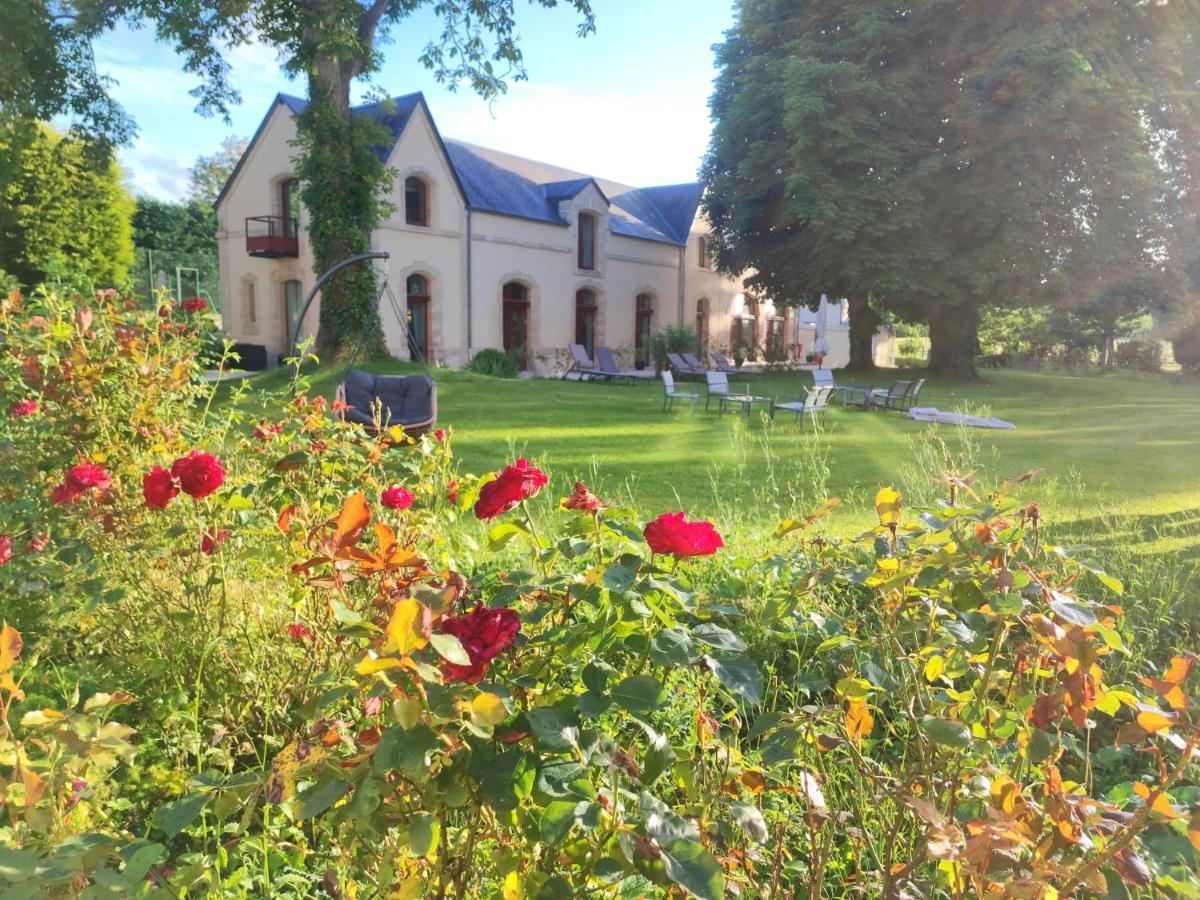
(291, 314)
(515, 324)
(418, 317)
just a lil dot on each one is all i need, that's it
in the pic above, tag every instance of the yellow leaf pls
(408, 628)
(406, 711)
(370, 665)
(859, 720)
(10, 647)
(512, 886)
(1158, 800)
(408, 889)
(1152, 720)
(887, 505)
(934, 667)
(487, 710)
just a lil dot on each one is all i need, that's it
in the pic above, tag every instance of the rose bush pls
(330, 698)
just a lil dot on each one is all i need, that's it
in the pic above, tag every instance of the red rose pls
(298, 632)
(199, 474)
(24, 408)
(440, 435)
(396, 497)
(5, 549)
(452, 492)
(194, 305)
(79, 480)
(671, 533)
(515, 483)
(212, 540)
(583, 499)
(158, 488)
(37, 544)
(164, 310)
(484, 633)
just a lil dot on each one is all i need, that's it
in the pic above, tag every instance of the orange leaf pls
(1194, 828)
(10, 646)
(354, 517)
(859, 720)
(285, 517)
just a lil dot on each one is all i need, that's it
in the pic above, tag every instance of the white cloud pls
(640, 140)
(152, 172)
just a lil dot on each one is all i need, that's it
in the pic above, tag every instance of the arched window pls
(249, 302)
(416, 201)
(642, 326)
(585, 320)
(743, 330)
(702, 252)
(417, 289)
(515, 324)
(702, 326)
(587, 241)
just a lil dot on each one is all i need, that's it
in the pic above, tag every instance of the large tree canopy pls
(946, 156)
(331, 43)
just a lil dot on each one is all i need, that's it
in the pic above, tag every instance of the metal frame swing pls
(380, 387)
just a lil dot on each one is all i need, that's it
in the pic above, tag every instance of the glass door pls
(291, 314)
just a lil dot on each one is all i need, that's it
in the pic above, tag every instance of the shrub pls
(496, 692)
(493, 362)
(1144, 356)
(671, 339)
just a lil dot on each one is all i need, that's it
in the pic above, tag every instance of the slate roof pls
(501, 183)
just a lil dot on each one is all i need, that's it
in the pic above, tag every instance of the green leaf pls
(322, 795)
(750, 820)
(138, 861)
(423, 834)
(1071, 610)
(405, 750)
(639, 694)
(673, 647)
(690, 866)
(17, 865)
(740, 675)
(619, 578)
(174, 817)
(662, 824)
(716, 636)
(503, 532)
(659, 755)
(556, 727)
(450, 649)
(557, 819)
(947, 732)
(780, 746)
(595, 676)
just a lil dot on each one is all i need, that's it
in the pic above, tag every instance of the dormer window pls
(587, 241)
(416, 201)
(702, 252)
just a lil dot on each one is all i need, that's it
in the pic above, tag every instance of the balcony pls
(271, 237)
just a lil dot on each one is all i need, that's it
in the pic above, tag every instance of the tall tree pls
(63, 210)
(942, 157)
(209, 173)
(332, 43)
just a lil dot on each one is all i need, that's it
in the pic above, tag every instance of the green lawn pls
(1119, 451)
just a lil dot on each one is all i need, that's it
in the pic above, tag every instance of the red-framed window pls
(587, 241)
(416, 201)
(515, 323)
(643, 326)
(585, 320)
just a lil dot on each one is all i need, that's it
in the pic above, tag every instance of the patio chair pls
(879, 398)
(609, 369)
(694, 361)
(719, 387)
(581, 364)
(910, 399)
(823, 378)
(682, 366)
(724, 365)
(409, 401)
(815, 402)
(670, 395)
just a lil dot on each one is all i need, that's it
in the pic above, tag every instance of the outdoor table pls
(746, 401)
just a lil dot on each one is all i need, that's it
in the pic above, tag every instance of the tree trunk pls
(864, 322)
(953, 341)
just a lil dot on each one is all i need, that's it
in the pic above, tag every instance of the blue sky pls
(627, 103)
